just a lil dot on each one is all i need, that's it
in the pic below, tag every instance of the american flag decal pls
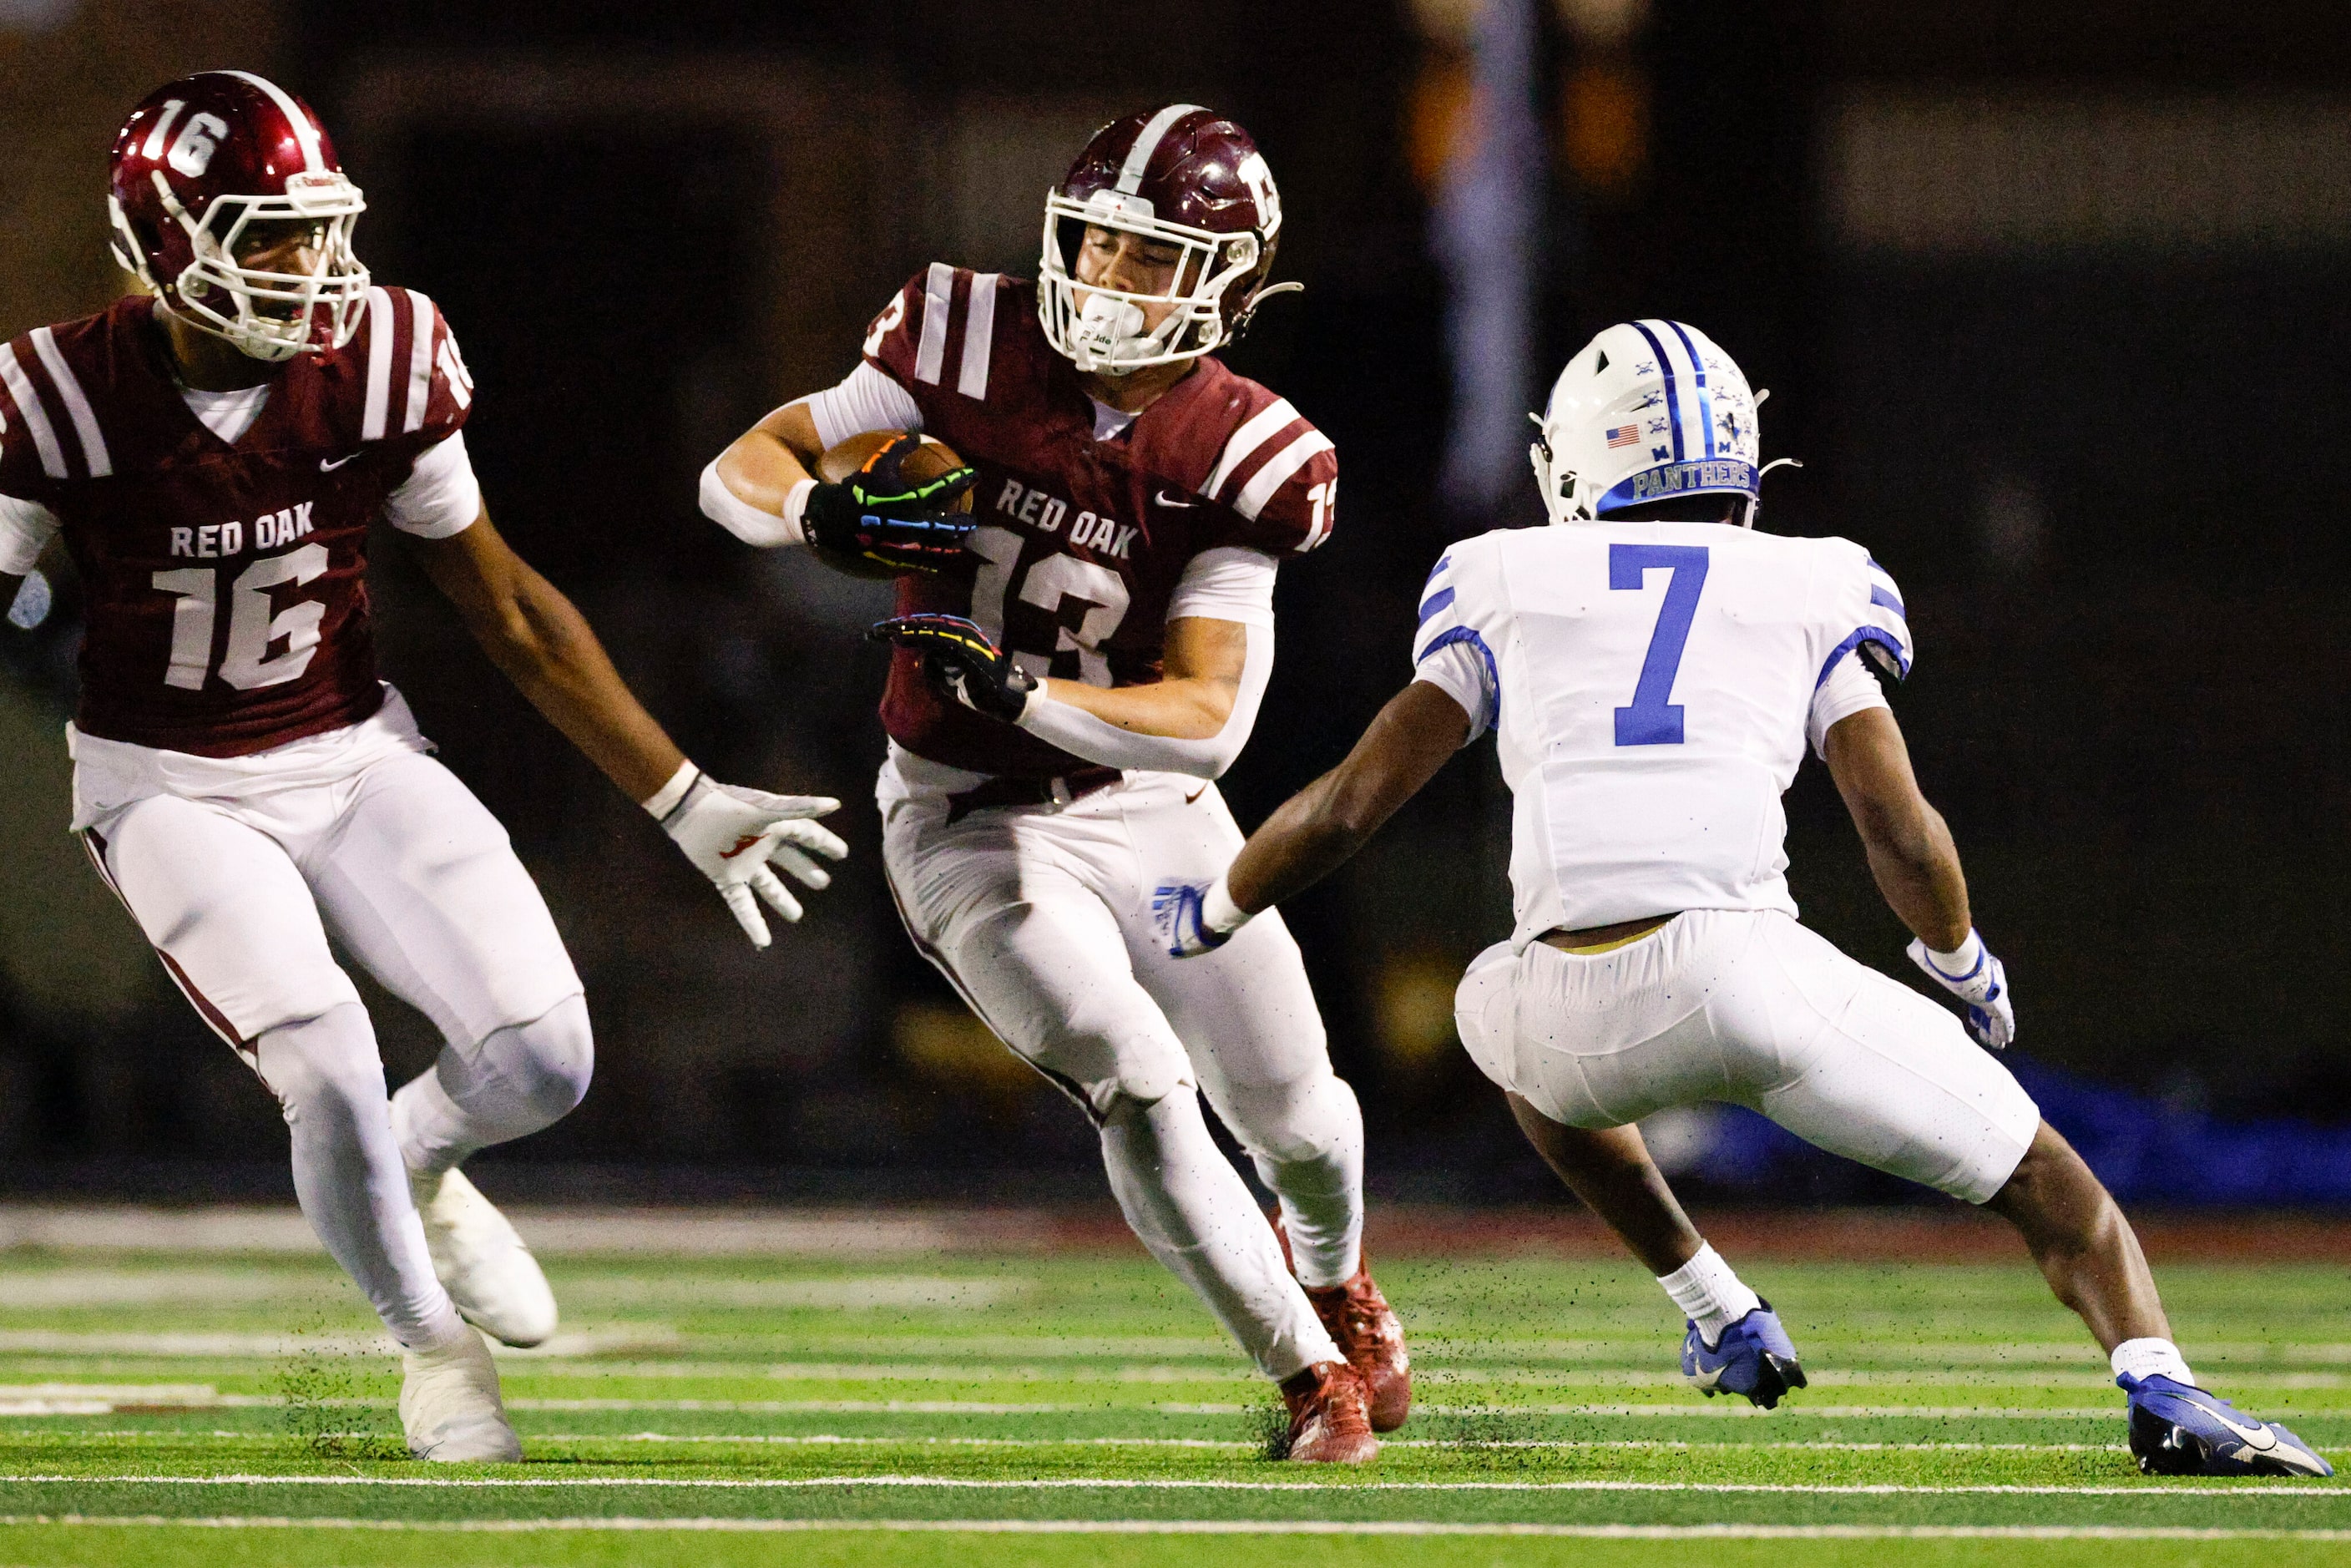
(1625, 435)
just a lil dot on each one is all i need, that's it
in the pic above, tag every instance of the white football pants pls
(1749, 1007)
(1040, 916)
(237, 874)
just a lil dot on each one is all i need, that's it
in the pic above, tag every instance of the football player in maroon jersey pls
(212, 451)
(1066, 682)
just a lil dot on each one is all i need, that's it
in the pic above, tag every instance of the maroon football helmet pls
(1185, 177)
(200, 160)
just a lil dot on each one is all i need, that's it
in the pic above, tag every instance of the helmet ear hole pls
(1601, 363)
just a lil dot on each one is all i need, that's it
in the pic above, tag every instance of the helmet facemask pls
(270, 316)
(1106, 335)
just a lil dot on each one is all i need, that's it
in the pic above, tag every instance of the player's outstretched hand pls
(736, 837)
(895, 524)
(1194, 917)
(964, 662)
(1979, 980)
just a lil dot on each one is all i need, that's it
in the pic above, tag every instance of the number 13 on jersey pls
(1651, 720)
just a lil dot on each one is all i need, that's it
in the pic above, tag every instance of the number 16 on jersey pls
(1651, 720)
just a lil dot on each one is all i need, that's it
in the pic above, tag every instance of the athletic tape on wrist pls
(1219, 913)
(1961, 962)
(672, 795)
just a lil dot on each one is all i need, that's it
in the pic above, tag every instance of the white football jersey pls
(1651, 687)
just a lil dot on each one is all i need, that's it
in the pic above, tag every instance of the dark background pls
(2071, 369)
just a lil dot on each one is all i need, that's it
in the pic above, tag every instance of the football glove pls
(963, 662)
(876, 519)
(1194, 917)
(1979, 981)
(733, 836)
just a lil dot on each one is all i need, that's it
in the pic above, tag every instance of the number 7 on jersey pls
(1651, 720)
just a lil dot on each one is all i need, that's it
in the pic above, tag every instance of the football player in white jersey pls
(1652, 670)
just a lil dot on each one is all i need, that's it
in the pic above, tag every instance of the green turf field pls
(1081, 1410)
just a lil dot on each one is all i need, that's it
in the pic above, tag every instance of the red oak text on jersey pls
(225, 585)
(1081, 542)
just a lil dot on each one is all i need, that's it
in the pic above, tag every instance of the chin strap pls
(1248, 311)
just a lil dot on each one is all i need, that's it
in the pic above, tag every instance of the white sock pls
(1709, 1293)
(1307, 1143)
(2151, 1358)
(512, 1082)
(1191, 1208)
(328, 1081)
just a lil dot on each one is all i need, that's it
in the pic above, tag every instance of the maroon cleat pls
(1328, 1422)
(1364, 1327)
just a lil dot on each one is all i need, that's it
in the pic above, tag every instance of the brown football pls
(910, 467)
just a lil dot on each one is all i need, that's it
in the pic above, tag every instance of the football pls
(912, 466)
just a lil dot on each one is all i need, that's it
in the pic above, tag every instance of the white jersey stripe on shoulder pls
(420, 363)
(1253, 434)
(37, 418)
(1138, 157)
(979, 335)
(313, 156)
(938, 303)
(94, 456)
(379, 370)
(1277, 472)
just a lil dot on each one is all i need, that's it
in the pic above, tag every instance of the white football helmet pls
(1647, 411)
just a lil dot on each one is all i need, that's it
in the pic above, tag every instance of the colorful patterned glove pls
(964, 662)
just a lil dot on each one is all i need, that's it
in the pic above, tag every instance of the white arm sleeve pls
(1081, 734)
(747, 522)
(867, 399)
(26, 528)
(1851, 687)
(1227, 583)
(1460, 671)
(440, 498)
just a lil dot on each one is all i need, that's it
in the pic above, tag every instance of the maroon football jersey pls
(1081, 542)
(225, 585)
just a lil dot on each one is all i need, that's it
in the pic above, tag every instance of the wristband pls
(1219, 913)
(664, 800)
(1960, 963)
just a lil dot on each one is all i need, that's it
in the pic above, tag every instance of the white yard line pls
(106, 1399)
(623, 1524)
(850, 1234)
(1108, 1483)
(570, 1344)
(820, 1440)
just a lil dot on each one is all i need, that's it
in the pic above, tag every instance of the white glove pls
(731, 834)
(1978, 979)
(1194, 917)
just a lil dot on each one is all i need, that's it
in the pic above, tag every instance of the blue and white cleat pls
(1756, 1358)
(2178, 1430)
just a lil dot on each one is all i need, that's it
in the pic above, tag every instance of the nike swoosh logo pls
(2257, 1436)
(1196, 794)
(1167, 500)
(745, 842)
(327, 467)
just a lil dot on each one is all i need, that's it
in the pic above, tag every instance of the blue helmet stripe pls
(1673, 387)
(1698, 369)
